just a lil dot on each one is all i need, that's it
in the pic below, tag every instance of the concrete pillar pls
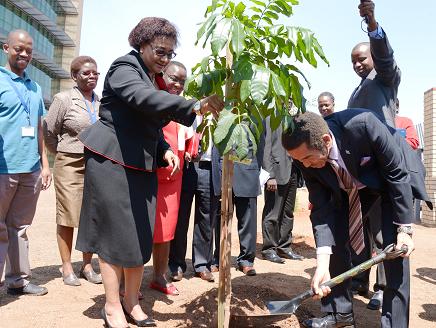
(429, 217)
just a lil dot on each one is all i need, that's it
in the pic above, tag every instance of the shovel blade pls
(282, 307)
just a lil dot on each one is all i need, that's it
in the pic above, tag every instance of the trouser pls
(396, 297)
(204, 221)
(18, 197)
(278, 216)
(246, 214)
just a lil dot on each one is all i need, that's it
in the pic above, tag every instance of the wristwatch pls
(405, 229)
(197, 108)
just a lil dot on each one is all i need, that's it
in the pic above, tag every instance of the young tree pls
(252, 59)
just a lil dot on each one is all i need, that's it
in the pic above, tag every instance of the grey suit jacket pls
(275, 158)
(382, 162)
(378, 91)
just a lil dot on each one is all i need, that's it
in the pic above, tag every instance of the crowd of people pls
(127, 168)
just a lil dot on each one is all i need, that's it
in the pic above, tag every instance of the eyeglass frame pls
(170, 55)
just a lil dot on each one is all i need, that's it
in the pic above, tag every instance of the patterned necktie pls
(357, 241)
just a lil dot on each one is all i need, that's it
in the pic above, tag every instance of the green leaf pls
(275, 120)
(220, 35)
(239, 10)
(260, 83)
(206, 26)
(239, 141)
(238, 37)
(242, 69)
(277, 85)
(259, 3)
(319, 51)
(204, 64)
(271, 15)
(244, 91)
(297, 91)
(225, 122)
(268, 20)
(257, 10)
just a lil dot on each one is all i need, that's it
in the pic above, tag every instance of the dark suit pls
(385, 165)
(278, 211)
(246, 188)
(378, 91)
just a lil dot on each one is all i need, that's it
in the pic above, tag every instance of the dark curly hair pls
(149, 28)
(307, 128)
(77, 63)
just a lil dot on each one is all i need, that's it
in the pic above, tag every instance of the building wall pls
(52, 52)
(428, 216)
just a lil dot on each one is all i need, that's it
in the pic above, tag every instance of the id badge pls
(28, 131)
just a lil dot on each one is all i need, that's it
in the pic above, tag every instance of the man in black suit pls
(280, 193)
(380, 75)
(374, 63)
(246, 188)
(382, 168)
(197, 182)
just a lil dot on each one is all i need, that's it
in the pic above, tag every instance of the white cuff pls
(324, 250)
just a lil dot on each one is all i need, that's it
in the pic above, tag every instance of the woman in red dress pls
(169, 187)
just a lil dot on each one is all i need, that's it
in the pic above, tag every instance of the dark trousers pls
(200, 187)
(246, 214)
(278, 216)
(396, 298)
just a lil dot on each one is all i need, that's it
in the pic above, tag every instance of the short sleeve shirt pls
(18, 153)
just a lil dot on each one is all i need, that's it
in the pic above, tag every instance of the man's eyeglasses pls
(88, 73)
(175, 79)
(162, 53)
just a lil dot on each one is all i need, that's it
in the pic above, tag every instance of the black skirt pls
(118, 212)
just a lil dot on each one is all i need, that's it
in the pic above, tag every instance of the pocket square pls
(364, 160)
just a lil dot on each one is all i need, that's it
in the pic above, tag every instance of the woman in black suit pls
(122, 151)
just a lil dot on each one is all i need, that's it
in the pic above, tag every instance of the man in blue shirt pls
(24, 168)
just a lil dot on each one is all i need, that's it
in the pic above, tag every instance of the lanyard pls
(92, 114)
(26, 106)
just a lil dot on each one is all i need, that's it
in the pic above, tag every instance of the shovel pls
(289, 307)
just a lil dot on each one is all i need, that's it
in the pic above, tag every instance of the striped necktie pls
(357, 241)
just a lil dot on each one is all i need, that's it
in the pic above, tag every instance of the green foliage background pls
(260, 82)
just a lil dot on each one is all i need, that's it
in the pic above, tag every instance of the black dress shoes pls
(140, 323)
(272, 257)
(376, 301)
(29, 289)
(290, 255)
(331, 320)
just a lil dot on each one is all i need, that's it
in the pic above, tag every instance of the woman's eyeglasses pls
(162, 53)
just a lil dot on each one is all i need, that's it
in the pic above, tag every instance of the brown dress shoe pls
(247, 270)
(205, 275)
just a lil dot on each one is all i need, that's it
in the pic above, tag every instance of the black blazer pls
(374, 155)
(132, 113)
(378, 91)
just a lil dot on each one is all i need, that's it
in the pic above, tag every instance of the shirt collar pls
(14, 76)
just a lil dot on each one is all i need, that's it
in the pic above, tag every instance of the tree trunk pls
(224, 284)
